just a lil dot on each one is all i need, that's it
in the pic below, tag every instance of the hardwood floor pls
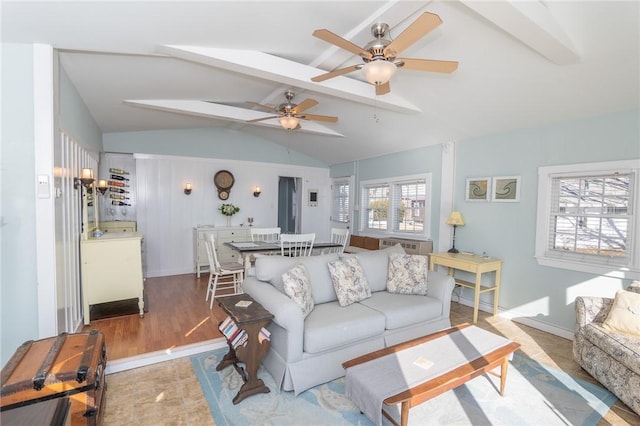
(178, 315)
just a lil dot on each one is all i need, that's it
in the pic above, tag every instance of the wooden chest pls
(69, 365)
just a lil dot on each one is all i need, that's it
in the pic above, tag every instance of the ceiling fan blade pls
(314, 117)
(261, 119)
(304, 105)
(336, 40)
(336, 73)
(383, 89)
(418, 29)
(264, 107)
(431, 65)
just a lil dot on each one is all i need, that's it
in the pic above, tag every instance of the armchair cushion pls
(624, 315)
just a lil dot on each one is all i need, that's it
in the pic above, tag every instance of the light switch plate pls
(44, 188)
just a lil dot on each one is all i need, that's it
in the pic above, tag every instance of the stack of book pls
(235, 335)
(264, 335)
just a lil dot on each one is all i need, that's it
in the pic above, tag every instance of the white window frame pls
(392, 182)
(336, 208)
(630, 267)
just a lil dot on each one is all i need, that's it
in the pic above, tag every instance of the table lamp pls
(455, 219)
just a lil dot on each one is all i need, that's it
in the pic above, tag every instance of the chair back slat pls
(265, 234)
(340, 236)
(296, 245)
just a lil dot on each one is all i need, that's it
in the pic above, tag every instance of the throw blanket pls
(370, 383)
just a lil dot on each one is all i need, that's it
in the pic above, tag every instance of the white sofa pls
(309, 351)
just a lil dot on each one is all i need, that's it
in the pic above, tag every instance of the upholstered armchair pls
(612, 357)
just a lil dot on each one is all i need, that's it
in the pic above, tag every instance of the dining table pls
(249, 248)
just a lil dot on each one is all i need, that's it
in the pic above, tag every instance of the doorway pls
(289, 204)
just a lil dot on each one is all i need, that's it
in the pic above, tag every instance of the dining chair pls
(216, 271)
(296, 245)
(265, 234)
(340, 236)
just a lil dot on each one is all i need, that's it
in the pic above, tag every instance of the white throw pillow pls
(298, 288)
(407, 274)
(349, 281)
(624, 315)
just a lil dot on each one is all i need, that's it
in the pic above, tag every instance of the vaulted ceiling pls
(173, 65)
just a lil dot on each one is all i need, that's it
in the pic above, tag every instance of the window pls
(587, 218)
(397, 206)
(341, 192)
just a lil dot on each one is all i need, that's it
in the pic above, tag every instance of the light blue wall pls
(74, 116)
(205, 143)
(18, 289)
(19, 282)
(417, 161)
(507, 230)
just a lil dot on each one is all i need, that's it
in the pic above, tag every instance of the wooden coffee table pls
(459, 354)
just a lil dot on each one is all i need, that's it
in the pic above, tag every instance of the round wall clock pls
(223, 180)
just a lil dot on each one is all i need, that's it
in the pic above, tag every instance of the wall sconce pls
(85, 179)
(188, 188)
(102, 186)
(257, 192)
(455, 219)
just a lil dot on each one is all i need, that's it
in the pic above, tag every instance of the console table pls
(251, 318)
(476, 265)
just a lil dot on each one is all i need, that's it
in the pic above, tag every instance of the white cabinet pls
(221, 235)
(111, 268)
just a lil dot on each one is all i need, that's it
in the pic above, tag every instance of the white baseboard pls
(520, 318)
(124, 364)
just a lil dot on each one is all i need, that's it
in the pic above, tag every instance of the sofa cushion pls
(271, 268)
(297, 287)
(623, 347)
(376, 264)
(401, 310)
(331, 326)
(407, 274)
(349, 281)
(625, 313)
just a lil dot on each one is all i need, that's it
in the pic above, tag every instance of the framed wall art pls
(506, 189)
(478, 189)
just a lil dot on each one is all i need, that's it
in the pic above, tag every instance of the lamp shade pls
(288, 122)
(379, 71)
(455, 218)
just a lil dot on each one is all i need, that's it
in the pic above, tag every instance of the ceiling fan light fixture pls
(379, 71)
(288, 122)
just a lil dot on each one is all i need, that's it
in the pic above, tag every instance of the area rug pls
(534, 395)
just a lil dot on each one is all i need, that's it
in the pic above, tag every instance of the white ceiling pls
(117, 51)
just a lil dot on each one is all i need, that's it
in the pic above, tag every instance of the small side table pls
(474, 264)
(251, 319)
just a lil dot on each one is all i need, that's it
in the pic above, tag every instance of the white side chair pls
(265, 234)
(340, 236)
(296, 245)
(217, 270)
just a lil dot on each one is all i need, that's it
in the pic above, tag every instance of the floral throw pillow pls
(407, 274)
(349, 281)
(298, 287)
(625, 313)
